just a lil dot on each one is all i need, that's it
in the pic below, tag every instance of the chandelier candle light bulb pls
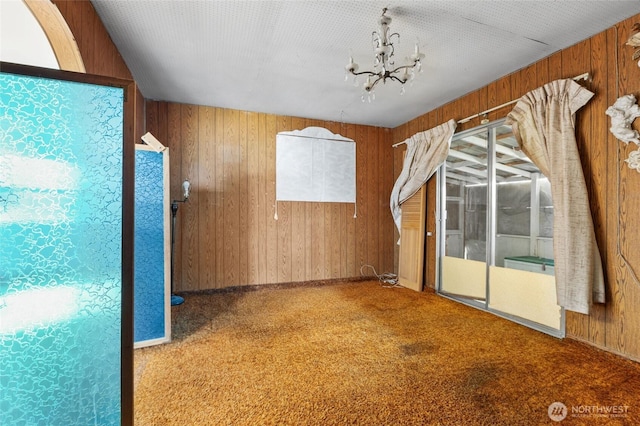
(417, 56)
(383, 64)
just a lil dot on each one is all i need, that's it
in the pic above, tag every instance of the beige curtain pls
(543, 122)
(425, 152)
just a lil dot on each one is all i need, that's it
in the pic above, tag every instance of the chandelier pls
(384, 66)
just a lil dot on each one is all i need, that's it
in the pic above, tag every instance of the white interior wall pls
(23, 39)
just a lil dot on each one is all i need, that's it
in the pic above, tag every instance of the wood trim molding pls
(60, 36)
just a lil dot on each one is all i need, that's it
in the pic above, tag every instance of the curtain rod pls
(584, 76)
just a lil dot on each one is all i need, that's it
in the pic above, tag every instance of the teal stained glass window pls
(61, 167)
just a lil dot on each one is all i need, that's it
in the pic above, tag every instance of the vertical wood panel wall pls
(226, 234)
(612, 186)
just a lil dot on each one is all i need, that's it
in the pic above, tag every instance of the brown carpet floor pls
(361, 354)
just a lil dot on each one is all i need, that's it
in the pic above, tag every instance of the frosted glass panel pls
(151, 309)
(61, 166)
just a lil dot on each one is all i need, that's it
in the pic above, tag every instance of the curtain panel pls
(543, 122)
(426, 151)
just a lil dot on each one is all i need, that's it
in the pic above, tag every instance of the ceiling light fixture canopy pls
(384, 66)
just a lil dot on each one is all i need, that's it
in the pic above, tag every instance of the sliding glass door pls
(496, 229)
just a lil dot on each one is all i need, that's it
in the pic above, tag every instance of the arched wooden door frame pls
(58, 33)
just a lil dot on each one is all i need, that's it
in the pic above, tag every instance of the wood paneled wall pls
(99, 54)
(226, 234)
(613, 187)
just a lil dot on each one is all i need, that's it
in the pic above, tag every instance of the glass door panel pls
(522, 276)
(518, 183)
(464, 263)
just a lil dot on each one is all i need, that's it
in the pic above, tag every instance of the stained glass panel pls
(151, 290)
(61, 166)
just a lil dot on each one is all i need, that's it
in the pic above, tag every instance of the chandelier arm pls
(403, 67)
(376, 82)
(375, 38)
(393, 77)
(365, 72)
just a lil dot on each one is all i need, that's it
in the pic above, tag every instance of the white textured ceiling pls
(288, 57)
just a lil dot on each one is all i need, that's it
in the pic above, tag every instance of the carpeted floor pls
(360, 354)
